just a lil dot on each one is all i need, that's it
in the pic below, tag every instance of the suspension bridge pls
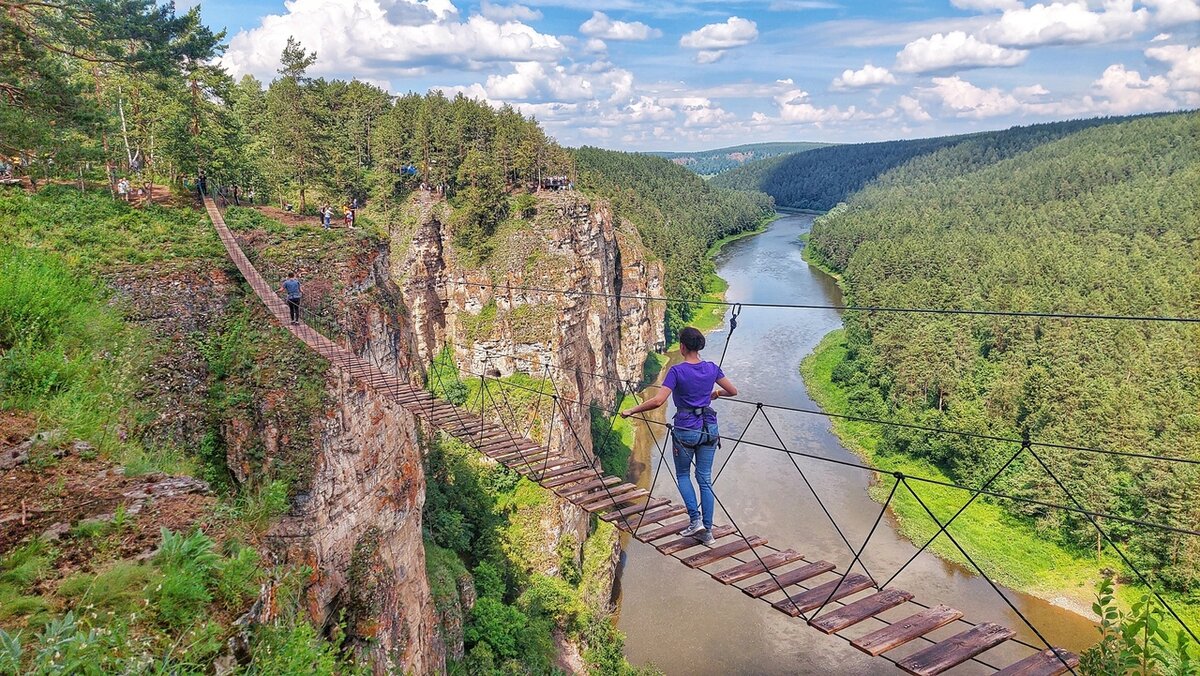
(920, 636)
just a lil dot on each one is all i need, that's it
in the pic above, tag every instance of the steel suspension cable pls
(858, 554)
(817, 497)
(946, 484)
(962, 509)
(984, 575)
(1103, 534)
(853, 308)
(910, 426)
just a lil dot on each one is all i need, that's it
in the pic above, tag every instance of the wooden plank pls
(662, 531)
(521, 448)
(602, 492)
(652, 504)
(653, 515)
(955, 650)
(546, 465)
(751, 568)
(569, 478)
(566, 468)
(898, 633)
(830, 591)
(690, 541)
(581, 488)
(788, 578)
(723, 552)
(614, 497)
(528, 459)
(853, 613)
(497, 446)
(1045, 663)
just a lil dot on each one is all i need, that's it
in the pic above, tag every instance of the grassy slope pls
(1010, 549)
(70, 358)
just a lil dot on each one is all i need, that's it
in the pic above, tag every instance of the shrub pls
(497, 624)
(1136, 641)
(238, 577)
(292, 650)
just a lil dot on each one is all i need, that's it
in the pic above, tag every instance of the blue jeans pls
(700, 445)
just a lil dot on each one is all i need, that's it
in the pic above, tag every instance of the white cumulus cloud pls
(913, 109)
(1060, 23)
(867, 76)
(709, 55)
(1126, 92)
(734, 32)
(1175, 12)
(601, 26)
(508, 12)
(954, 50)
(403, 38)
(1184, 62)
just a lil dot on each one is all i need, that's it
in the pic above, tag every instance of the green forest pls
(95, 94)
(819, 179)
(1103, 220)
(720, 160)
(678, 214)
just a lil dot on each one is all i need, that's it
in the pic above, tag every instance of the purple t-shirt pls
(691, 387)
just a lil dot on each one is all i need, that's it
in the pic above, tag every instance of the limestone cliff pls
(359, 530)
(566, 243)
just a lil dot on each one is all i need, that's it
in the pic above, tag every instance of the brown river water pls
(681, 620)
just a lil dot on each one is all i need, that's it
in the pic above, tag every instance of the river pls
(683, 622)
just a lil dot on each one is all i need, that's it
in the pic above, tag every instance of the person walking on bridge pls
(692, 385)
(291, 287)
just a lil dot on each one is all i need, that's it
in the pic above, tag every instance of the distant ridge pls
(820, 178)
(718, 160)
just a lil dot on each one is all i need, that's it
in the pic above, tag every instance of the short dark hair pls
(692, 339)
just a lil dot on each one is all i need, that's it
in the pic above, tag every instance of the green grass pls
(93, 231)
(1009, 548)
(64, 353)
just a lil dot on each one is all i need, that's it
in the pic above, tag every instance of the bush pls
(238, 578)
(1137, 641)
(497, 624)
(292, 650)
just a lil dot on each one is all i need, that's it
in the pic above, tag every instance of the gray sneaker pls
(705, 536)
(693, 528)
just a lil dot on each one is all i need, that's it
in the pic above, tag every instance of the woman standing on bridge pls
(693, 384)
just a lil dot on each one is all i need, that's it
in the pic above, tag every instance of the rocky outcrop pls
(494, 324)
(572, 244)
(174, 303)
(359, 530)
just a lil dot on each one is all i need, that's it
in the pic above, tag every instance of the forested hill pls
(712, 162)
(678, 213)
(820, 178)
(1105, 220)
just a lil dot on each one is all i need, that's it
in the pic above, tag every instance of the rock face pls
(589, 343)
(173, 303)
(570, 245)
(359, 529)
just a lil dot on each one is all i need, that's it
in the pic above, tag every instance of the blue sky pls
(700, 74)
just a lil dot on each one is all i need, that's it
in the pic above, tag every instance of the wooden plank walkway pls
(850, 603)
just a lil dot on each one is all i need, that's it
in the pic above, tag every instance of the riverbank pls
(711, 314)
(1008, 548)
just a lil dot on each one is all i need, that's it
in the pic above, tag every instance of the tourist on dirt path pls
(202, 185)
(326, 216)
(123, 189)
(693, 384)
(291, 287)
